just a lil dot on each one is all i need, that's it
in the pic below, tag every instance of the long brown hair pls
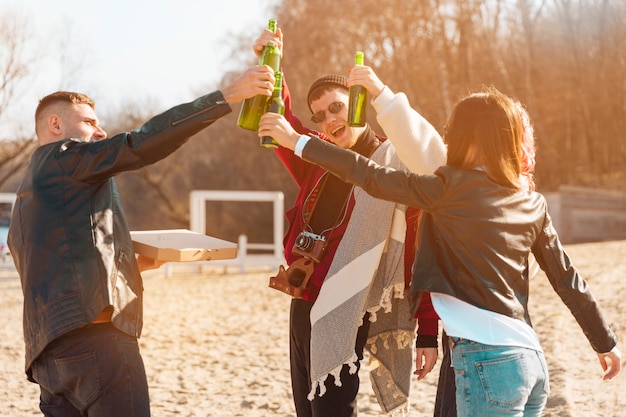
(489, 126)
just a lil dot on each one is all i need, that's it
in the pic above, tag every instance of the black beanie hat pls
(331, 80)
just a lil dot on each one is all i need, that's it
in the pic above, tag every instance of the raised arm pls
(417, 142)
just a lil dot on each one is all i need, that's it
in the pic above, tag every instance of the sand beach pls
(216, 344)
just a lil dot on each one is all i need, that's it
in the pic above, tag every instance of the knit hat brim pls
(331, 80)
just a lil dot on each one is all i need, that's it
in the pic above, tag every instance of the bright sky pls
(159, 52)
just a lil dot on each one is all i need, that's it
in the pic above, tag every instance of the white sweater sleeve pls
(417, 142)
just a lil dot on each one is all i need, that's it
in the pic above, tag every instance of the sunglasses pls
(334, 108)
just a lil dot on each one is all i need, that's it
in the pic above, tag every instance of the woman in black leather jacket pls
(480, 223)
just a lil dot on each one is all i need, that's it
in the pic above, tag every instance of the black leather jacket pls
(475, 238)
(68, 234)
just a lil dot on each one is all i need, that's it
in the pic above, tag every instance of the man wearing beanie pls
(353, 297)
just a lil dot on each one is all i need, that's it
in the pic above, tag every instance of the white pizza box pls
(181, 245)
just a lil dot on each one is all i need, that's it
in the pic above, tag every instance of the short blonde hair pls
(67, 97)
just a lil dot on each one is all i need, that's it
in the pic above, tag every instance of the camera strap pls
(310, 206)
(294, 279)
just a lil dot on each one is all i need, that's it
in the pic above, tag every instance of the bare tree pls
(565, 59)
(435, 51)
(13, 157)
(16, 65)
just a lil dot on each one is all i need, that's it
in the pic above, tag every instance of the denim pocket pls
(504, 380)
(80, 377)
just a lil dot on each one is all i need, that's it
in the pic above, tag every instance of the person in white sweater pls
(403, 125)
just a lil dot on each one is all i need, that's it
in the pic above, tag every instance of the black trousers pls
(96, 370)
(445, 402)
(337, 401)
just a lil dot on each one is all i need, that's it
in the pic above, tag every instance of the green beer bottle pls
(274, 105)
(357, 103)
(253, 108)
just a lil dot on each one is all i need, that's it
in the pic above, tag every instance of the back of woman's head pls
(485, 130)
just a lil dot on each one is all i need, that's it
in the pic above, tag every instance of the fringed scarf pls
(367, 275)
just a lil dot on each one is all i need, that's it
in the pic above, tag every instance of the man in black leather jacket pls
(73, 251)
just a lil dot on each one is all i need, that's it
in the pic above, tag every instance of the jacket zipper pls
(191, 116)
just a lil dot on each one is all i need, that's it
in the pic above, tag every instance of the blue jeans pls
(498, 380)
(94, 371)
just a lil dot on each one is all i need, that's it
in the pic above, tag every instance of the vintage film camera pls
(310, 245)
(294, 279)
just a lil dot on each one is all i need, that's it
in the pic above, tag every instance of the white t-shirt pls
(461, 319)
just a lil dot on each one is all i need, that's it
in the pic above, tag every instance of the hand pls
(144, 263)
(255, 81)
(365, 76)
(611, 363)
(266, 37)
(276, 126)
(425, 360)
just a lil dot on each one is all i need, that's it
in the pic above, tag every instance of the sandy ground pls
(216, 345)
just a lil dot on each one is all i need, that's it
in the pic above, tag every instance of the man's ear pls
(54, 124)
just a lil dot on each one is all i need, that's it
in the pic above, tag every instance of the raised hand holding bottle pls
(253, 108)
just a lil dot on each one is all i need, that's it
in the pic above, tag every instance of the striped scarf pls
(367, 275)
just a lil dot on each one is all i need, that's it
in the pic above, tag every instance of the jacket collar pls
(367, 143)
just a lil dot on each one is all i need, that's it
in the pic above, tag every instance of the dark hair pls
(486, 128)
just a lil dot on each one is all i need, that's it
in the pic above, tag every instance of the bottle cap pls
(359, 58)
